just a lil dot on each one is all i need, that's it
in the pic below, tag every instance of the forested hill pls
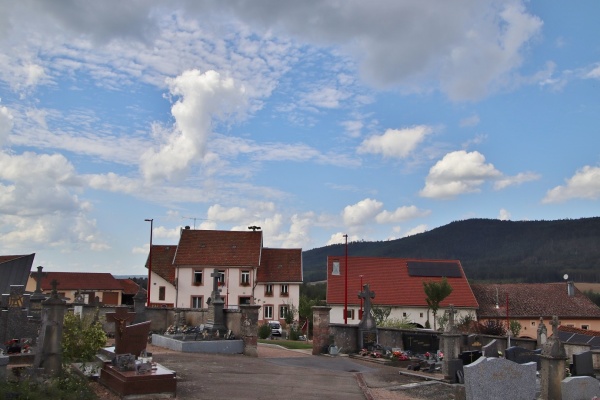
(490, 250)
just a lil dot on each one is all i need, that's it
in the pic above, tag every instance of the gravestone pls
(129, 339)
(474, 342)
(367, 328)
(521, 355)
(580, 387)
(48, 354)
(451, 340)
(499, 379)
(450, 326)
(469, 357)
(583, 364)
(491, 349)
(542, 333)
(14, 321)
(216, 318)
(35, 301)
(553, 364)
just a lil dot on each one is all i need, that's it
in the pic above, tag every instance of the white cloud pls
(416, 230)
(6, 124)
(203, 97)
(471, 121)
(594, 73)
(395, 142)
(585, 184)
(233, 214)
(361, 212)
(325, 97)
(353, 127)
(457, 173)
(400, 214)
(504, 215)
(518, 179)
(339, 238)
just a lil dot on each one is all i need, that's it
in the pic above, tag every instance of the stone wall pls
(345, 337)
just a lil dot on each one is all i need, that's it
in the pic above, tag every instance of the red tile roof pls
(280, 265)
(129, 286)
(219, 248)
(533, 300)
(162, 262)
(391, 282)
(81, 281)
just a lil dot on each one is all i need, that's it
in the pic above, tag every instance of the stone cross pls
(555, 323)
(54, 284)
(120, 317)
(367, 295)
(215, 275)
(38, 276)
(451, 312)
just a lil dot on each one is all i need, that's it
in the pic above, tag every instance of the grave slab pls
(129, 384)
(500, 379)
(579, 388)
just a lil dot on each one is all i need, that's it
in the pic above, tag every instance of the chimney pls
(570, 288)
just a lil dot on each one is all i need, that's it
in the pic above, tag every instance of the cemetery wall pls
(345, 337)
(571, 348)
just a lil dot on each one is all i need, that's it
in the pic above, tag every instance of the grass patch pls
(288, 344)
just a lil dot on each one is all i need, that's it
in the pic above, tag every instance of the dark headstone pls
(583, 364)
(469, 357)
(129, 339)
(521, 355)
(420, 342)
(367, 327)
(454, 367)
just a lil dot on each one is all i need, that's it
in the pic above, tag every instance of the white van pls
(276, 328)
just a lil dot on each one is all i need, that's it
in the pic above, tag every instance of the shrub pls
(294, 334)
(492, 327)
(67, 386)
(82, 338)
(264, 331)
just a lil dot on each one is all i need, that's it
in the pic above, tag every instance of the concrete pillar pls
(3, 363)
(320, 328)
(249, 328)
(48, 355)
(451, 349)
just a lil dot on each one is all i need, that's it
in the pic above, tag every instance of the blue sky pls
(311, 119)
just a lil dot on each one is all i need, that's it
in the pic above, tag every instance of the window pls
(162, 292)
(268, 290)
(283, 310)
(336, 268)
(350, 314)
(404, 314)
(197, 279)
(285, 290)
(532, 323)
(245, 278)
(221, 278)
(196, 302)
(268, 310)
(245, 300)
(421, 315)
(585, 327)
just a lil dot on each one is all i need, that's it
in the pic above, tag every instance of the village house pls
(528, 302)
(397, 283)
(87, 285)
(247, 272)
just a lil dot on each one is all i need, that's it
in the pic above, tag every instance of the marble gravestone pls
(129, 339)
(499, 379)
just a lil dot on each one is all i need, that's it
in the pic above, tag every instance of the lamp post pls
(361, 299)
(151, 220)
(346, 284)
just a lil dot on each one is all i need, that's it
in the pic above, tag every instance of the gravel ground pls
(288, 373)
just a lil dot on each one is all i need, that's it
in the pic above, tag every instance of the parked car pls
(276, 328)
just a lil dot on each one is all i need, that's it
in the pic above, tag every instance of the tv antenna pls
(195, 219)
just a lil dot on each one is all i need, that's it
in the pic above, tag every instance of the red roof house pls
(397, 283)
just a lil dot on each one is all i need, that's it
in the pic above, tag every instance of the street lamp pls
(346, 285)
(151, 220)
(361, 299)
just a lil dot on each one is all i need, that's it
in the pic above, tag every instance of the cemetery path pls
(279, 372)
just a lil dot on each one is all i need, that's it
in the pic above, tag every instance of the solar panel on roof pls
(428, 268)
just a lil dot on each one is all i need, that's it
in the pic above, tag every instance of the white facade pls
(239, 286)
(416, 315)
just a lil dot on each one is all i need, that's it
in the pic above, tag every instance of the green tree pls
(515, 327)
(436, 292)
(380, 313)
(82, 338)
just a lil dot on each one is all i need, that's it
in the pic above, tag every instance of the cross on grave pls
(555, 323)
(216, 275)
(54, 285)
(38, 276)
(120, 317)
(367, 295)
(451, 313)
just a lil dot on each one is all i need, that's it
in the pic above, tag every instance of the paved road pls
(279, 373)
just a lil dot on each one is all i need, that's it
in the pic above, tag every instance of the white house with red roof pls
(89, 285)
(248, 272)
(397, 283)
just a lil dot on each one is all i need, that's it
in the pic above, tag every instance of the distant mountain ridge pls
(490, 250)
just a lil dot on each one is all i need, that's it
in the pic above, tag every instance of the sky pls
(311, 119)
